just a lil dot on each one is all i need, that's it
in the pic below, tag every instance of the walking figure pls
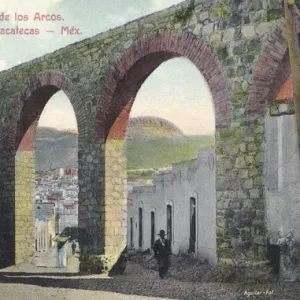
(73, 247)
(162, 252)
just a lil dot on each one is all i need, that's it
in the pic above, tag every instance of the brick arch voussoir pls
(45, 78)
(264, 84)
(180, 44)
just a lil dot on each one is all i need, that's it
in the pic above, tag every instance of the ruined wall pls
(188, 179)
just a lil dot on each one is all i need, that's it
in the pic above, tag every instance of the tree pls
(290, 7)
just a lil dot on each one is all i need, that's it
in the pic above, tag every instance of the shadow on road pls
(28, 274)
(124, 284)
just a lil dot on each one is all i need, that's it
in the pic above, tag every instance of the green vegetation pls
(221, 11)
(55, 149)
(273, 14)
(149, 128)
(155, 154)
(222, 52)
(182, 15)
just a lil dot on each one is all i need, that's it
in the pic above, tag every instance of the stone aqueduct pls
(244, 60)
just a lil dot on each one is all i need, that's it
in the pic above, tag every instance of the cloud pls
(4, 4)
(26, 6)
(58, 113)
(161, 4)
(58, 119)
(3, 65)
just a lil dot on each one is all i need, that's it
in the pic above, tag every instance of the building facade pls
(183, 203)
(44, 226)
(281, 181)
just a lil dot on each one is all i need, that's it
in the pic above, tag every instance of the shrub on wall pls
(182, 15)
(222, 10)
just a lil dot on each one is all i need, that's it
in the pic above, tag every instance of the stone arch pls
(271, 71)
(117, 98)
(170, 202)
(152, 209)
(139, 61)
(23, 122)
(32, 99)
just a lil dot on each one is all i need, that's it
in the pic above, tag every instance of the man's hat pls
(162, 232)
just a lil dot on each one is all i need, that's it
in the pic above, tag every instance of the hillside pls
(55, 149)
(151, 143)
(152, 128)
(143, 154)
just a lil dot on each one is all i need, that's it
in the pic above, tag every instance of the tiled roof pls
(286, 92)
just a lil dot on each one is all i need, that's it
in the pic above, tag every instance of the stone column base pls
(97, 264)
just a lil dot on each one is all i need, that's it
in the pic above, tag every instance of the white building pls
(282, 176)
(44, 226)
(183, 203)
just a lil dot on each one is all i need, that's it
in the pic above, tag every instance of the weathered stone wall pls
(188, 179)
(240, 203)
(24, 199)
(101, 77)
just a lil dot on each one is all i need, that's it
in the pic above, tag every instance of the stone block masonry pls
(238, 49)
(24, 199)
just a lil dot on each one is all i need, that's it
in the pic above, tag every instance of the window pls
(169, 222)
(192, 247)
(131, 232)
(152, 228)
(140, 227)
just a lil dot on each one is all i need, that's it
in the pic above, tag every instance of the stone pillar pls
(91, 182)
(7, 208)
(115, 198)
(16, 206)
(24, 198)
(16, 202)
(241, 232)
(102, 205)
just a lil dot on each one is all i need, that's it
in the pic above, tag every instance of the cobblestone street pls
(41, 280)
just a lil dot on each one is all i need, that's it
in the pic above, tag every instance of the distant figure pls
(162, 252)
(61, 257)
(73, 247)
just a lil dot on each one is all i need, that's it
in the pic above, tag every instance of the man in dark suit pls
(162, 252)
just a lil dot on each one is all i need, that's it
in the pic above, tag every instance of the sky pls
(175, 91)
